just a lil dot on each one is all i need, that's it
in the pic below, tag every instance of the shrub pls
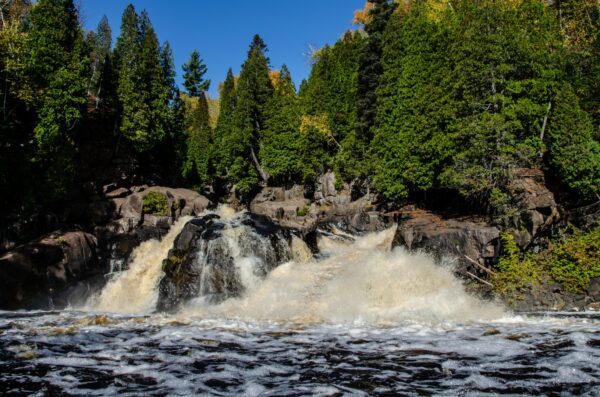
(302, 211)
(155, 203)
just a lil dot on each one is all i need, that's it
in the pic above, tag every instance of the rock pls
(204, 261)
(38, 275)
(325, 191)
(538, 210)
(455, 238)
(120, 192)
(282, 205)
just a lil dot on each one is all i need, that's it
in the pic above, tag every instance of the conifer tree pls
(280, 149)
(253, 92)
(193, 76)
(198, 169)
(58, 71)
(412, 137)
(573, 155)
(221, 154)
(370, 68)
(100, 43)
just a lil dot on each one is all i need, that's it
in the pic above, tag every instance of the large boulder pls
(470, 242)
(54, 271)
(129, 207)
(213, 259)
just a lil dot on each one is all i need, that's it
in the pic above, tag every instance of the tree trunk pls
(261, 171)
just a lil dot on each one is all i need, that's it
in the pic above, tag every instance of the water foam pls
(136, 289)
(360, 281)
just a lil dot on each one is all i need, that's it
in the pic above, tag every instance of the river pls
(358, 320)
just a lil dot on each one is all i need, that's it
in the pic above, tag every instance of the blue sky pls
(222, 30)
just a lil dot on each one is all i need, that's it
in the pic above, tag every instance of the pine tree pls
(198, 167)
(253, 92)
(100, 44)
(143, 90)
(280, 149)
(370, 68)
(221, 154)
(193, 77)
(573, 155)
(412, 137)
(58, 71)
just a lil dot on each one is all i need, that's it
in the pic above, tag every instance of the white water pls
(360, 281)
(355, 281)
(136, 289)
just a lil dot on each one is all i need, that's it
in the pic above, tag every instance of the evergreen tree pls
(197, 168)
(193, 76)
(143, 89)
(329, 108)
(57, 68)
(413, 137)
(370, 68)
(253, 92)
(100, 43)
(573, 155)
(224, 126)
(280, 149)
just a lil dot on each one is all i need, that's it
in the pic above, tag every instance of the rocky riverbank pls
(66, 265)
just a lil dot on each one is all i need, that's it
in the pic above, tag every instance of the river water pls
(360, 320)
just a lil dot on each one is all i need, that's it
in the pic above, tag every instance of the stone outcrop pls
(64, 268)
(129, 212)
(54, 271)
(326, 207)
(464, 241)
(206, 257)
(537, 209)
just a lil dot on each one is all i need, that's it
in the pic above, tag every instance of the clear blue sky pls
(222, 30)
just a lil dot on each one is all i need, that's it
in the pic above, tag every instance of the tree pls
(193, 77)
(280, 149)
(144, 92)
(197, 169)
(58, 72)
(370, 68)
(253, 92)
(100, 44)
(412, 137)
(573, 155)
(221, 154)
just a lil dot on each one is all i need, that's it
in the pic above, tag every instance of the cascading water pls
(257, 314)
(355, 281)
(135, 290)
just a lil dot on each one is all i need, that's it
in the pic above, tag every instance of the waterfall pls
(242, 266)
(135, 289)
(359, 280)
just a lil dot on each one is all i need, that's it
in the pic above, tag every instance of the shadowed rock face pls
(54, 271)
(211, 257)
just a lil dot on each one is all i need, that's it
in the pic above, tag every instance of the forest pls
(423, 98)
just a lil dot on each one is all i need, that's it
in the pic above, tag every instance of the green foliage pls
(302, 211)
(197, 169)
(573, 154)
(515, 270)
(144, 91)
(280, 148)
(570, 262)
(193, 76)
(155, 203)
(574, 262)
(239, 143)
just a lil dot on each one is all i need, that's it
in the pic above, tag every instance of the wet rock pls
(206, 258)
(466, 240)
(39, 274)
